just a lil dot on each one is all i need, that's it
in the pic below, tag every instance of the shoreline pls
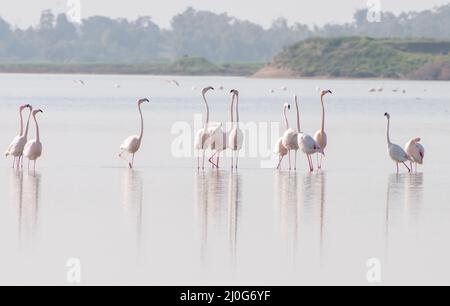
(106, 69)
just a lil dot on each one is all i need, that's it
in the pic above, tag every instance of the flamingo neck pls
(387, 134)
(207, 112)
(298, 116)
(142, 123)
(237, 110)
(286, 119)
(322, 128)
(232, 110)
(21, 122)
(38, 138)
(28, 125)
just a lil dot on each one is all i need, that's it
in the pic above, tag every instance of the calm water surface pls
(166, 223)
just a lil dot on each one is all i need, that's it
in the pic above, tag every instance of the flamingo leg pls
(130, 164)
(28, 164)
(198, 159)
(295, 161)
(210, 160)
(18, 163)
(218, 159)
(289, 153)
(14, 162)
(237, 158)
(279, 162)
(203, 161)
(321, 157)
(397, 168)
(232, 159)
(409, 170)
(34, 166)
(311, 166)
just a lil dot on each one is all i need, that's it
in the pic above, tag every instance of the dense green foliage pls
(184, 66)
(219, 38)
(362, 57)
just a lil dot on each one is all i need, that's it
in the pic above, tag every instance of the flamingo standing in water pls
(17, 146)
(133, 143)
(202, 139)
(305, 142)
(397, 154)
(280, 149)
(218, 140)
(33, 148)
(321, 137)
(290, 142)
(415, 151)
(236, 137)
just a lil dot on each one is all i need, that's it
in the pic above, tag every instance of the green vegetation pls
(183, 66)
(362, 57)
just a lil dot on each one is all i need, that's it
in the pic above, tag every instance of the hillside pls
(183, 66)
(361, 57)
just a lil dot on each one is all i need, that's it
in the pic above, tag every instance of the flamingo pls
(236, 137)
(33, 148)
(290, 142)
(202, 139)
(415, 151)
(397, 154)
(321, 137)
(218, 142)
(133, 143)
(280, 149)
(17, 146)
(305, 142)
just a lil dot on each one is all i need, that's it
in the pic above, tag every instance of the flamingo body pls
(321, 139)
(415, 151)
(307, 144)
(397, 154)
(131, 144)
(290, 140)
(235, 139)
(17, 146)
(33, 150)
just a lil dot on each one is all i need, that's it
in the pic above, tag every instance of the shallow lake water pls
(165, 223)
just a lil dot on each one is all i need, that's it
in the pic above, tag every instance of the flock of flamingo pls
(213, 137)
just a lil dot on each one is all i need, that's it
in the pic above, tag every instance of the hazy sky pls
(26, 12)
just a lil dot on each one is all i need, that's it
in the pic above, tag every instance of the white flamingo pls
(321, 137)
(17, 146)
(305, 142)
(236, 137)
(132, 144)
(397, 154)
(290, 142)
(33, 148)
(219, 139)
(415, 151)
(202, 139)
(280, 149)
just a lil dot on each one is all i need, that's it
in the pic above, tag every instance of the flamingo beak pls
(40, 111)
(329, 91)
